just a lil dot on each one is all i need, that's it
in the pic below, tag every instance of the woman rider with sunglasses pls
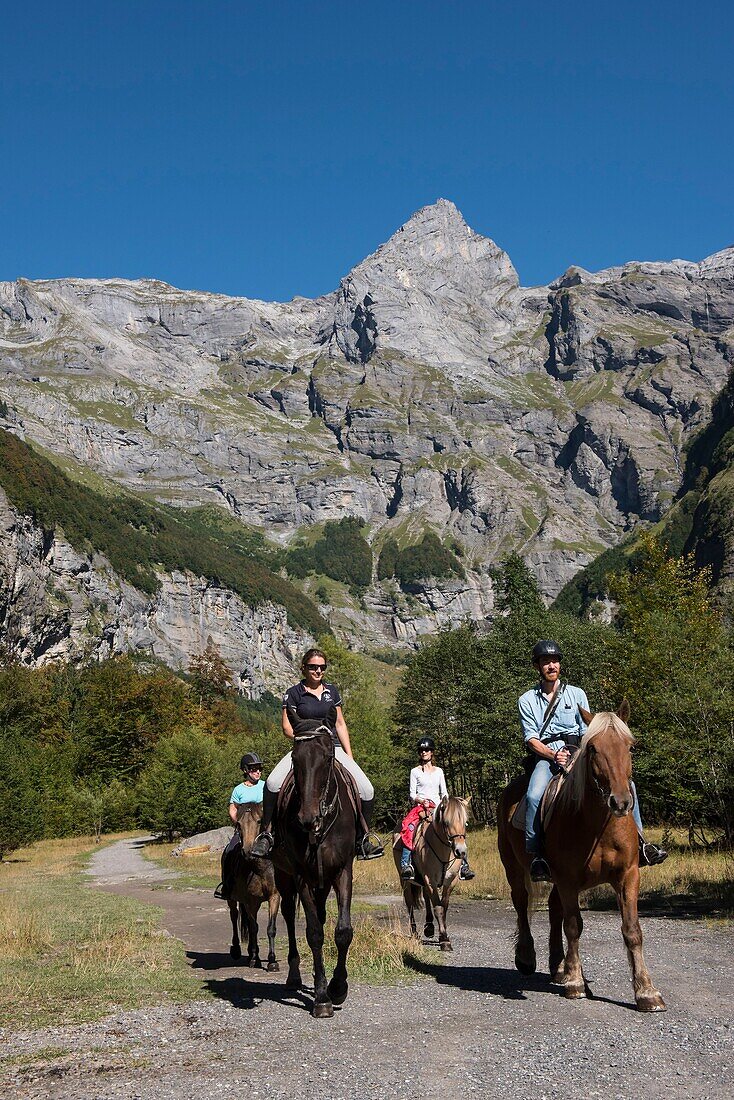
(307, 701)
(427, 788)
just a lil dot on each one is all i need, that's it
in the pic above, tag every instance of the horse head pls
(605, 758)
(313, 771)
(450, 819)
(249, 816)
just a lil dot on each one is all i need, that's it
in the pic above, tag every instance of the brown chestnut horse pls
(440, 847)
(591, 838)
(315, 840)
(253, 884)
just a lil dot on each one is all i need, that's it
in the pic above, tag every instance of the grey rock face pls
(57, 603)
(429, 390)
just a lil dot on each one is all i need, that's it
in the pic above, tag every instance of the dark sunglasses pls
(316, 668)
(255, 768)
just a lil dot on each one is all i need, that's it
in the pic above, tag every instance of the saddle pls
(288, 790)
(547, 802)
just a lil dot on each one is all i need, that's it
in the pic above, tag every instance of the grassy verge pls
(69, 953)
(690, 880)
(381, 953)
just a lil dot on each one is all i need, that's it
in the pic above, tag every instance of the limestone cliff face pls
(429, 390)
(57, 603)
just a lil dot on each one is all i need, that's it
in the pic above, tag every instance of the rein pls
(328, 811)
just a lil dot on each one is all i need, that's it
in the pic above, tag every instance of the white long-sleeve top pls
(424, 784)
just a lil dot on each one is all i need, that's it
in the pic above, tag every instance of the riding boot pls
(650, 854)
(465, 871)
(539, 869)
(406, 866)
(365, 848)
(263, 845)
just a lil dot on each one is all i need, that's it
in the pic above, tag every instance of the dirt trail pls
(473, 1026)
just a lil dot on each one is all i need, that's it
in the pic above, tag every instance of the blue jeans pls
(405, 857)
(539, 780)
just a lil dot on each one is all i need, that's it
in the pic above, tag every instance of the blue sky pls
(265, 148)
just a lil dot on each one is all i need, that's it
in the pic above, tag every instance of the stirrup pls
(407, 872)
(466, 873)
(539, 870)
(263, 845)
(651, 854)
(219, 892)
(367, 850)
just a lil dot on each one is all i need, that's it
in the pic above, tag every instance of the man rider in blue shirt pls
(550, 741)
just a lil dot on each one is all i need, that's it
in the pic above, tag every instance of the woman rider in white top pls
(427, 788)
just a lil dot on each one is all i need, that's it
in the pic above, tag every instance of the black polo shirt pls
(304, 706)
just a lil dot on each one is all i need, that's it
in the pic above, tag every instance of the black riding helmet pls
(250, 760)
(546, 648)
(426, 743)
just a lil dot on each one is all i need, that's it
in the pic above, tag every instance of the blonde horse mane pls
(605, 723)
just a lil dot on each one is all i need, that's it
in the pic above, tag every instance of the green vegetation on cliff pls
(140, 538)
(342, 553)
(428, 558)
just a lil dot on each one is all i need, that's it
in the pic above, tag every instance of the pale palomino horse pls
(590, 838)
(438, 852)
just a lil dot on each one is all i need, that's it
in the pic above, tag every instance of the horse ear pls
(586, 715)
(465, 801)
(623, 711)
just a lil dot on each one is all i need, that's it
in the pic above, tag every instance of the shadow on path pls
(504, 982)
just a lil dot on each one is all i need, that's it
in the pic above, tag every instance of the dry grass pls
(703, 880)
(69, 953)
(381, 953)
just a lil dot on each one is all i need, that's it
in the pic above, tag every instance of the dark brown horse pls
(591, 838)
(440, 847)
(314, 849)
(253, 884)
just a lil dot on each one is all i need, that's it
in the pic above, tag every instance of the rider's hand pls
(562, 758)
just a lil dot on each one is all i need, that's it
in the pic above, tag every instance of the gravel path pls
(474, 1026)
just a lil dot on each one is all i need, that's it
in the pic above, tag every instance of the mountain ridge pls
(428, 392)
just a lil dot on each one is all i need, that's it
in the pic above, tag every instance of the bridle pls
(448, 840)
(326, 806)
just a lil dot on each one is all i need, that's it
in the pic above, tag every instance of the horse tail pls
(412, 895)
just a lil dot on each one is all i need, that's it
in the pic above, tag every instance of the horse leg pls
(313, 907)
(555, 938)
(273, 906)
(288, 905)
(525, 959)
(343, 933)
(410, 892)
(443, 937)
(573, 981)
(235, 950)
(429, 930)
(253, 951)
(647, 997)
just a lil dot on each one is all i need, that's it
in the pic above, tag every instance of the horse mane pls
(453, 806)
(605, 722)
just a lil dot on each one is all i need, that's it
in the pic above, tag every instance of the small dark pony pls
(315, 834)
(253, 884)
(590, 838)
(440, 847)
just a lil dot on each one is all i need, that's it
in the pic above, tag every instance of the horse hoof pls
(556, 977)
(254, 964)
(429, 931)
(235, 953)
(525, 967)
(338, 994)
(574, 991)
(273, 967)
(651, 1002)
(446, 946)
(323, 1011)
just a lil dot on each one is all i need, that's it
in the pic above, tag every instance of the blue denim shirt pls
(532, 706)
